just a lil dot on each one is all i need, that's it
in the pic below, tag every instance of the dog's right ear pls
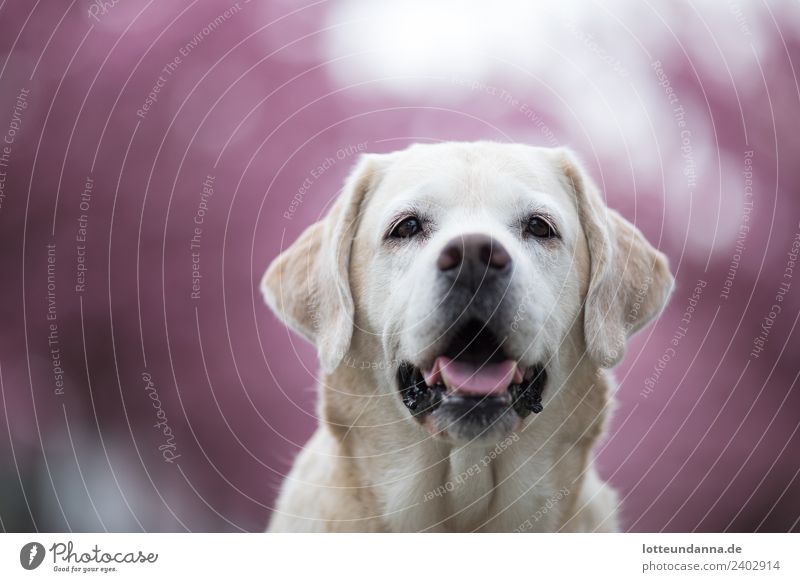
(308, 285)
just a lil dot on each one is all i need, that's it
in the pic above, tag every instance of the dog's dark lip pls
(422, 400)
(419, 398)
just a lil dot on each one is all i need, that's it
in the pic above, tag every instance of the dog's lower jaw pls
(465, 418)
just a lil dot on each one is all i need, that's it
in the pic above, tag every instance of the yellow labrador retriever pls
(465, 299)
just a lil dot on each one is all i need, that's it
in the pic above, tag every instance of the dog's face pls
(479, 274)
(470, 270)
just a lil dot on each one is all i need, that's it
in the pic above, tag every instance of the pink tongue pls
(480, 380)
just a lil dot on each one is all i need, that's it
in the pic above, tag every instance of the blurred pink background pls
(687, 114)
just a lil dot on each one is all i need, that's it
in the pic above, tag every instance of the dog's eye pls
(540, 228)
(407, 228)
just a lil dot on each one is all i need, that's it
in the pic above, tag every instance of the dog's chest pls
(469, 489)
(486, 490)
(490, 491)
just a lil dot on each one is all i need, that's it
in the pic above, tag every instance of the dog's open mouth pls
(474, 385)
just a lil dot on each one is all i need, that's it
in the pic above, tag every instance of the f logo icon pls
(31, 555)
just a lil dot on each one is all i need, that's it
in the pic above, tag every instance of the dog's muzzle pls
(469, 385)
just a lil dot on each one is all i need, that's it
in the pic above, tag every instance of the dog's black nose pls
(473, 255)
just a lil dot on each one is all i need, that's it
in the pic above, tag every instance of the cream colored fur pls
(372, 467)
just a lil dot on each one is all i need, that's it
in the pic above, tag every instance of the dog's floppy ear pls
(630, 280)
(308, 285)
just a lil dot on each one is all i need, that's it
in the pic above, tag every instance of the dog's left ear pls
(308, 285)
(630, 280)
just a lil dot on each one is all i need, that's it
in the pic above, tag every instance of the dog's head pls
(474, 277)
